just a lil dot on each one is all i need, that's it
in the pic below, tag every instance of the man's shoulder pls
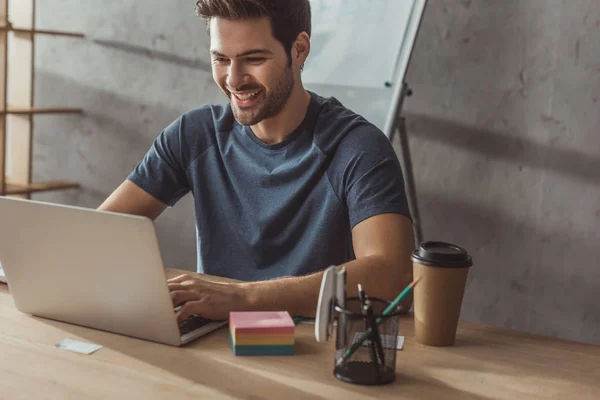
(210, 118)
(338, 127)
(197, 129)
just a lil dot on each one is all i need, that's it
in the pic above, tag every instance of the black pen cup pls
(358, 357)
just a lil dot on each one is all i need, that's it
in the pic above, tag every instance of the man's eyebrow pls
(243, 54)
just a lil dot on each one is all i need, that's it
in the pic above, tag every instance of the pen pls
(375, 336)
(361, 295)
(386, 312)
(365, 308)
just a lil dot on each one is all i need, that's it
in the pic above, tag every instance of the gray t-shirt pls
(266, 211)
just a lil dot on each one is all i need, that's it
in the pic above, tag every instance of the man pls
(285, 182)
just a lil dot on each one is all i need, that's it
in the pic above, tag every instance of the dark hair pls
(288, 17)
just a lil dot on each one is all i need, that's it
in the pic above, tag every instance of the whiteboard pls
(359, 54)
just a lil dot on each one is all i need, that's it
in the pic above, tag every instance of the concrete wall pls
(140, 66)
(503, 127)
(505, 134)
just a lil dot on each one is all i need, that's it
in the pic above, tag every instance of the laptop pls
(92, 268)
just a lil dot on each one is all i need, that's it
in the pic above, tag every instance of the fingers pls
(178, 286)
(181, 278)
(188, 309)
(180, 297)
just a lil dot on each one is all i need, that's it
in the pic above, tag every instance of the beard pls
(270, 102)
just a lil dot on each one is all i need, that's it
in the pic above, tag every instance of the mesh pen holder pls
(364, 365)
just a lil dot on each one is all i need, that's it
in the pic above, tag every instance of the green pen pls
(386, 312)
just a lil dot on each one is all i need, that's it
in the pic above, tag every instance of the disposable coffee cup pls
(442, 269)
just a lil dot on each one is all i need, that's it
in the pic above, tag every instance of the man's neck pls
(274, 130)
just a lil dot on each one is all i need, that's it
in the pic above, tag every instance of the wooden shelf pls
(41, 31)
(17, 99)
(14, 189)
(41, 110)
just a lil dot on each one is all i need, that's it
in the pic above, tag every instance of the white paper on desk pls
(77, 346)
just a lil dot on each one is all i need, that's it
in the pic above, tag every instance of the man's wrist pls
(249, 296)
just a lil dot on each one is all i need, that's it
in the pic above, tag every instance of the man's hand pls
(210, 300)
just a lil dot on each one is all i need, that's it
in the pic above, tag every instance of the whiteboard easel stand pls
(399, 123)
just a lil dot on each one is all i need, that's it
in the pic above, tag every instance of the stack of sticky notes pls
(261, 333)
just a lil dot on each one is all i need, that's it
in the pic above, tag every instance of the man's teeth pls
(247, 96)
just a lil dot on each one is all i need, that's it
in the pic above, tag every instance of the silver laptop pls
(92, 268)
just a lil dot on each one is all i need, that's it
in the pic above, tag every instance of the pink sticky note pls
(261, 322)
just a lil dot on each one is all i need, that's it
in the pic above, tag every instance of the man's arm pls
(382, 245)
(129, 198)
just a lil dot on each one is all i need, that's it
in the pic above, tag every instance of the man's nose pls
(236, 76)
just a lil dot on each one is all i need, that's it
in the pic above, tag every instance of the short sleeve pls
(161, 173)
(367, 176)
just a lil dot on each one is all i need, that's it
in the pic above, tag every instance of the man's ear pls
(300, 49)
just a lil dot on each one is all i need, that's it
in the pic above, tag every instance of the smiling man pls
(285, 182)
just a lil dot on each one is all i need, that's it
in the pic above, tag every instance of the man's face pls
(251, 68)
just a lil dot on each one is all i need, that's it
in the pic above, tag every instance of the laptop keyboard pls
(192, 323)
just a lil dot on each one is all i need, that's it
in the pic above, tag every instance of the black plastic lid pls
(441, 254)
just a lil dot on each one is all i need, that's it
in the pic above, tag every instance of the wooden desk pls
(486, 363)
